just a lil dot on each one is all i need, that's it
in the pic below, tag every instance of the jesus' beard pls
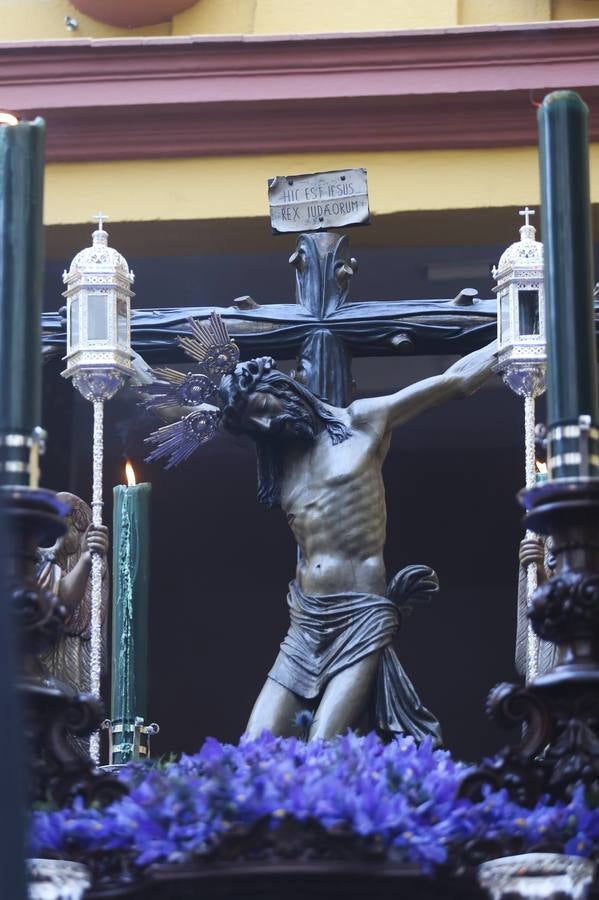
(295, 425)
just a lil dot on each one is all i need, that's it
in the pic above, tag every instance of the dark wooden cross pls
(322, 329)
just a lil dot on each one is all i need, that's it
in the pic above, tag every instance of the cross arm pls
(369, 328)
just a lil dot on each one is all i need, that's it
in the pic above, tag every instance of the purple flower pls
(580, 845)
(401, 793)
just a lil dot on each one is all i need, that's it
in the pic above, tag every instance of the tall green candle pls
(21, 272)
(131, 570)
(566, 221)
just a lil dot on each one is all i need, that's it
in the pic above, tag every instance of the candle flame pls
(541, 467)
(8, 119)
(130, 473)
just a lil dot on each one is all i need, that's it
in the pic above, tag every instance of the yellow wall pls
(489, 12)
(222, 187)
(309, 16)
(313, 16)
(44, 19)
(574, 9)
(492, 12)
(31, 20)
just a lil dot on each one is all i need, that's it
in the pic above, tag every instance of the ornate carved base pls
(560, 744)
(560, 709)
(53, 720)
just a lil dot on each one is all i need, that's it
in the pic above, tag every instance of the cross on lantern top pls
(100, 218)
(526, 212)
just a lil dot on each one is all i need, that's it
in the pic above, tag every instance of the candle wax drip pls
(124, 603)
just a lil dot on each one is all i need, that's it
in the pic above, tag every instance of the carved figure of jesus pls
(322, 465)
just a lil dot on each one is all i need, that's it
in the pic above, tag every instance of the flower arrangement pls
(400, 795)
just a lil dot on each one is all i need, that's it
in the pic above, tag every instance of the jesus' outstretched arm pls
(462, 378)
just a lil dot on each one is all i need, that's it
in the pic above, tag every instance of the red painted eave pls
(136, 97)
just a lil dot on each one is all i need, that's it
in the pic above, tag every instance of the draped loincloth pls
(329, 633)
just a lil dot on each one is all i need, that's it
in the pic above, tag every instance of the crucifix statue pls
(321, 462)
(319, 458)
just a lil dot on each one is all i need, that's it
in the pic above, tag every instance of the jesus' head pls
(274, 410)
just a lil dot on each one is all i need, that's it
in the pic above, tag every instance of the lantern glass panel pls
(74, 330)
(97, 317)
(504, 318)
(528, 312)
(122, 328)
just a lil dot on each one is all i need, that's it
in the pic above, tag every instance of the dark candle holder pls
(54, 716)
(560, 708)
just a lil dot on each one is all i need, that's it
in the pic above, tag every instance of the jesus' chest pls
(324, 466)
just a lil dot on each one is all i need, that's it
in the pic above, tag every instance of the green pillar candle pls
(131, 565)
(21, 263)
(566, 224)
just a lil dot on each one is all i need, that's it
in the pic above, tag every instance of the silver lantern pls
(521, 355)
(521, 313)
(98, 299)
(98, 294)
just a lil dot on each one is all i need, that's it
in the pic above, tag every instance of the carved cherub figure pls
(65, 570)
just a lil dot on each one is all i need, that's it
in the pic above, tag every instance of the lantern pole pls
(532, 640)
(96, 573)
(521, 362)
(99, 362)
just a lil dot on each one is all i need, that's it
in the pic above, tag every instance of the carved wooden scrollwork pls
(566, 606)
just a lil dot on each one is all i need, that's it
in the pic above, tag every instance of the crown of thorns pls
(211, 347)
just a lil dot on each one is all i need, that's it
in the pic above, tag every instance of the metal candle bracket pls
(128, 740)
